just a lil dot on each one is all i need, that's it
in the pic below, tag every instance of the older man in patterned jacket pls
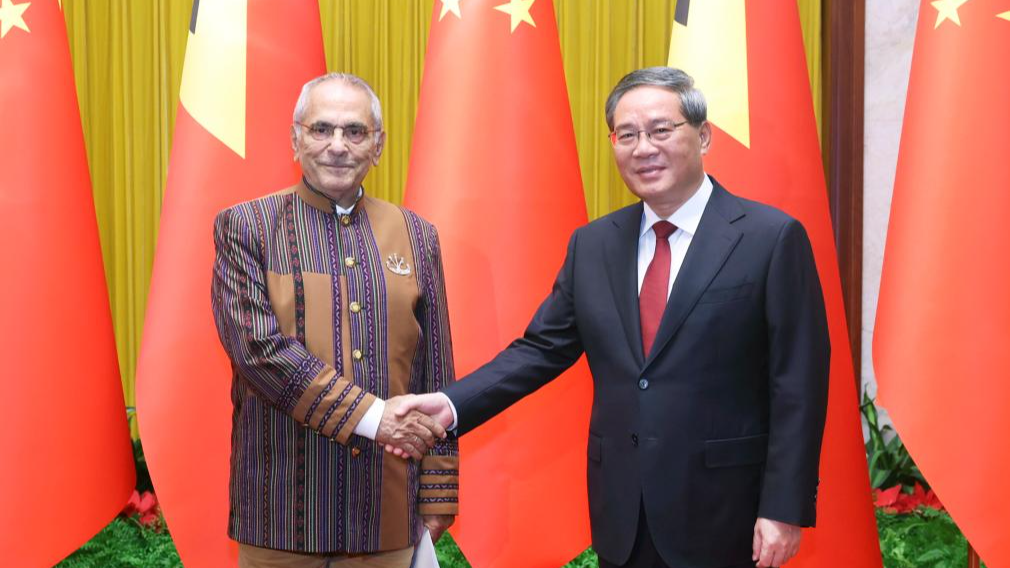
(328, 301)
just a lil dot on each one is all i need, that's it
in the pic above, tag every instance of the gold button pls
(357, 354)
(355, 452)
(355, 307)
(345, 220)
(349, 262)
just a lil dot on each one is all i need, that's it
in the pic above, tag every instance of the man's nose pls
(337, 144)
(644, 145)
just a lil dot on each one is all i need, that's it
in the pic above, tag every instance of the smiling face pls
(336, 167)
(665, 173)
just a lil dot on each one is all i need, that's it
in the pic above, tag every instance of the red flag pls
(246, 61)
(943, 322)
(494, 167)
(67, 464)
(765, 148)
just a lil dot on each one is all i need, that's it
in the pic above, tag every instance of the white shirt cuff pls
(452, 407)
(368, 426)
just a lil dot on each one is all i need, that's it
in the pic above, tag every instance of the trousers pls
(644, 553)
(255, 557)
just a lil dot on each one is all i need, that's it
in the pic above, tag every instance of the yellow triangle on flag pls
(709, 42)
(213, 88)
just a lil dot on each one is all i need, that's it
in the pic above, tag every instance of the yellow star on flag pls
(12, 16)
(520, 12)
(1004, 15)
(450, 6)
(947, 10)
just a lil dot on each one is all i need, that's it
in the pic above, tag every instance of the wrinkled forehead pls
(338, 102)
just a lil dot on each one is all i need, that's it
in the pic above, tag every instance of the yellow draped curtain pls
(128, 57)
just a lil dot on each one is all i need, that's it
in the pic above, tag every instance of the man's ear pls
(706, 137)
(294, 140)
(380, 145)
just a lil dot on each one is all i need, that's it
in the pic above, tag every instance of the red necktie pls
(652, 299)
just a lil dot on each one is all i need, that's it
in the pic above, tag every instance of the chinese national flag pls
(942, 343)
(246, 61)
(765, 147)
(494, 166)
(66, 464)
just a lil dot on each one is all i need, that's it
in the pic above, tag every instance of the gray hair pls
(348, 79)
(692, 102)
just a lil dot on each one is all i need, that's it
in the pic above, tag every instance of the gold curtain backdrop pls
(128, 58)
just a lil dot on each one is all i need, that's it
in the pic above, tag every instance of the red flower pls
(894, 500)
(149, 519)
(144, 506)
(887, 498)
(132, 505)
(933, 502)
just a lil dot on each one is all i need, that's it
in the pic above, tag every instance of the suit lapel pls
(712, 243)
(621, 252)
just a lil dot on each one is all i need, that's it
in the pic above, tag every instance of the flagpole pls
(973, 560)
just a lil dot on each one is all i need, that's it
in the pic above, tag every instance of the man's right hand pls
(435, 405)
(409, 431)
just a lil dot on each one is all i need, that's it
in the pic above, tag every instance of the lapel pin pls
(397, 265)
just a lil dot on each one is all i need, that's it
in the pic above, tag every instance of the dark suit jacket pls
(722, 422)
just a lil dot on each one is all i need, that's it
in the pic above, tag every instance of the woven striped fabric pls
(320, 313)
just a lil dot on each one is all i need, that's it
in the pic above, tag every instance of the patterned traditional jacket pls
(320, 313)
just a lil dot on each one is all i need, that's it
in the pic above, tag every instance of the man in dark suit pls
(708, 412)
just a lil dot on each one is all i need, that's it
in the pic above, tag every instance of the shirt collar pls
(341, 211)
(685, 218)
(336, 208)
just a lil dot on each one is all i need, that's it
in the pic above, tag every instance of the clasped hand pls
(405, 431)
(411, 424)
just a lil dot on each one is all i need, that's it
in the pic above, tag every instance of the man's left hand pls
(436, 524)
(775, 542)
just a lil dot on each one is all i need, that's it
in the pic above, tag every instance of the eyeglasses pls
(353, 133)
(628, 138)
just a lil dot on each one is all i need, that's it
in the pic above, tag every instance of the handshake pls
(411, 424)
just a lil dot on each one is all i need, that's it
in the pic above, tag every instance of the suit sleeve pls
(550, 345)
(278, 368)
(799, 365)
(438, 493)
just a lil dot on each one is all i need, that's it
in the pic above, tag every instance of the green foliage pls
(450, 556)
(925, 539)
(125, 544)
(889, 461)
(587, 559)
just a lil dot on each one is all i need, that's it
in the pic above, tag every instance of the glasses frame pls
(638, 135)
(343, 132)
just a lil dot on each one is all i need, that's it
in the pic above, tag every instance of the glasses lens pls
(355, 133)
(626, 137)
(321, 131)
(661, 133)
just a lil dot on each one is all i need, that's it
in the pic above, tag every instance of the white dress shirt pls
(686, 219)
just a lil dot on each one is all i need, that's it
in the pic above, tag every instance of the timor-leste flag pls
(941, 349)
(747, 58)
(66, 464)
(494, 166)
(246, 61)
